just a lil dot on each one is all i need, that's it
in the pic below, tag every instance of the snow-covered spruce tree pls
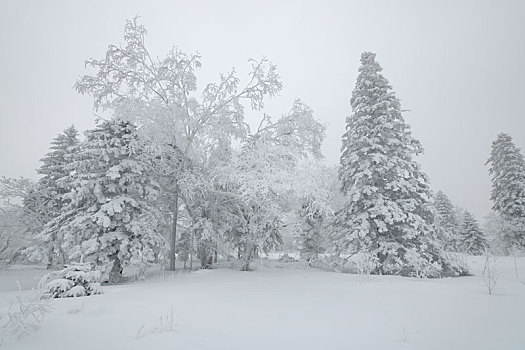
(53, 169)
(471, 239)
(47, 198)
(110, 217)
(75, 280)
(387, 212)
(446, 223)
(507, 169)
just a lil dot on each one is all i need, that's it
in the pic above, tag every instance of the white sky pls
(458, 66)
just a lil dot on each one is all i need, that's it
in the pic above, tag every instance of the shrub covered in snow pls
(454, 265)
(365, 263)
(287, 258)
(76, 280)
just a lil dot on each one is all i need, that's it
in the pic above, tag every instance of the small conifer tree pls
(471, 239)
(447, 222)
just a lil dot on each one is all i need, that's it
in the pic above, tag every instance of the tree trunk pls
(174, 229)
(115, 275)
(63, 257)
(191, 249)
(51, 252)
(246, 263)
(516, 265)
(4, 248)
(50, 259)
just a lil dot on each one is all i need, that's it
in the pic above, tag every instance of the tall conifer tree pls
(387, 211)
(507, 169)
(47, 200)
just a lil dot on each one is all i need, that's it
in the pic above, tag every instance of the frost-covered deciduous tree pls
(493, 225)
(160, 96)
(18, 223)
(209, 217)
(507, 170)
(471, 238)
(446, 222)
(47, 198)
(109, 217)
(387, 211)
(313, 224)
(269, 170)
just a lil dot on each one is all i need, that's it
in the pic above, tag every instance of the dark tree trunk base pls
(115, 275)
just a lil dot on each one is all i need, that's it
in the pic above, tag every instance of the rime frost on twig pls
(490, 274)
(165, 323)
(23, 317)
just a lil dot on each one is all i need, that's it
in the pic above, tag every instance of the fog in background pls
(457, 66)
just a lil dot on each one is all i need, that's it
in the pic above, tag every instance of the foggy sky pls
(457, 66)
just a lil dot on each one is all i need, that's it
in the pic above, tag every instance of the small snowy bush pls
(287, 258)
(455, 265)
(366, 263)
(421, 267)
(76, 280)
(35, 254)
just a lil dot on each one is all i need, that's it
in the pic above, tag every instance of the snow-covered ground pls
(285, 307)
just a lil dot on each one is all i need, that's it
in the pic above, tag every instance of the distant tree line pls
(168, 172)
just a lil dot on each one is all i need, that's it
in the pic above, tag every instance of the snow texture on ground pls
(286, 308)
